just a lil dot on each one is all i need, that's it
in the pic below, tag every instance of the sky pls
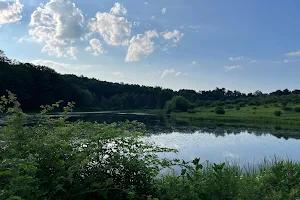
(196, 44)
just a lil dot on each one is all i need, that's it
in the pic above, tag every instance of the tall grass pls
(271, 179)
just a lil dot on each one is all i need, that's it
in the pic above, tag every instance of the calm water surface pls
(216, 143)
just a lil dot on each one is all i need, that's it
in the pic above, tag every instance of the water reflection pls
(213, 142)
(243, 148)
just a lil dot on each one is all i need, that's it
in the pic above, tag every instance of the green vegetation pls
(264, 114)
(220, 111)
(56, 159)
(177, 104)
(277, 113)
(40, 85)
(269, 181)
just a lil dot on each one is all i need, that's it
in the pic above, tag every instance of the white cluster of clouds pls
(171, 72)
(175, 35)
(58, 24)
(118, 9)
(96, 47)
(114, 29)
(141, 46)
(10, 11)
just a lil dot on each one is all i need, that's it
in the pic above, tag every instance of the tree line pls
(39, 85)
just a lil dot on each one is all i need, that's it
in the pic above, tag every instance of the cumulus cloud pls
(228, 68)
(164, 10)
(96, 46)
(118, 9)
(72, 51)
(141, 46)
(10, 11)
(175, 35)
(59, 24)
(114, 29)
(236, 58)
(296, 53)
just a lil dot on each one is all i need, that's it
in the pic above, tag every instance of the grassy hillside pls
(248, 114)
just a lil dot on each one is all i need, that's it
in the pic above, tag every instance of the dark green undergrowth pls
(57, 159)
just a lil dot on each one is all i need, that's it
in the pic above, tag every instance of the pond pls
(216, 143)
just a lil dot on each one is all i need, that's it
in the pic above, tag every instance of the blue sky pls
(195, 44)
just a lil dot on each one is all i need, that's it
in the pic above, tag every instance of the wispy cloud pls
(228, 68)
(289, 61)
(236, 58)
(194, 62)
(295, 53)
(167, 71)
(178, 73)
(120, 74)
(164, 10)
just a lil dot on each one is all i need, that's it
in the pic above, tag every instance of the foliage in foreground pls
(55, 159)
(279, 180)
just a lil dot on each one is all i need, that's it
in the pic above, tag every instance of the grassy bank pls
(242, 115)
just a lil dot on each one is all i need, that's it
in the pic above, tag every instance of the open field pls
(247, 114)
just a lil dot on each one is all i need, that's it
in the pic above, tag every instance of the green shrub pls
(220, 111)
(229, 107)
(191, 111)
(285, 108)
(179, 104)
(297, 109)
(238, 108)
(242, 104)
(277, 113)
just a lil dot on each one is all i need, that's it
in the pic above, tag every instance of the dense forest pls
(40, 85)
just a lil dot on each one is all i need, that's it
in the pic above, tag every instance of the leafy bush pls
(220, 111)
(238, 108)
(57, 159)
(191, 111)
(277, 113)
(285, 108)
(297, 109)
(178, 103)
(242, 104)
(229, 107)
